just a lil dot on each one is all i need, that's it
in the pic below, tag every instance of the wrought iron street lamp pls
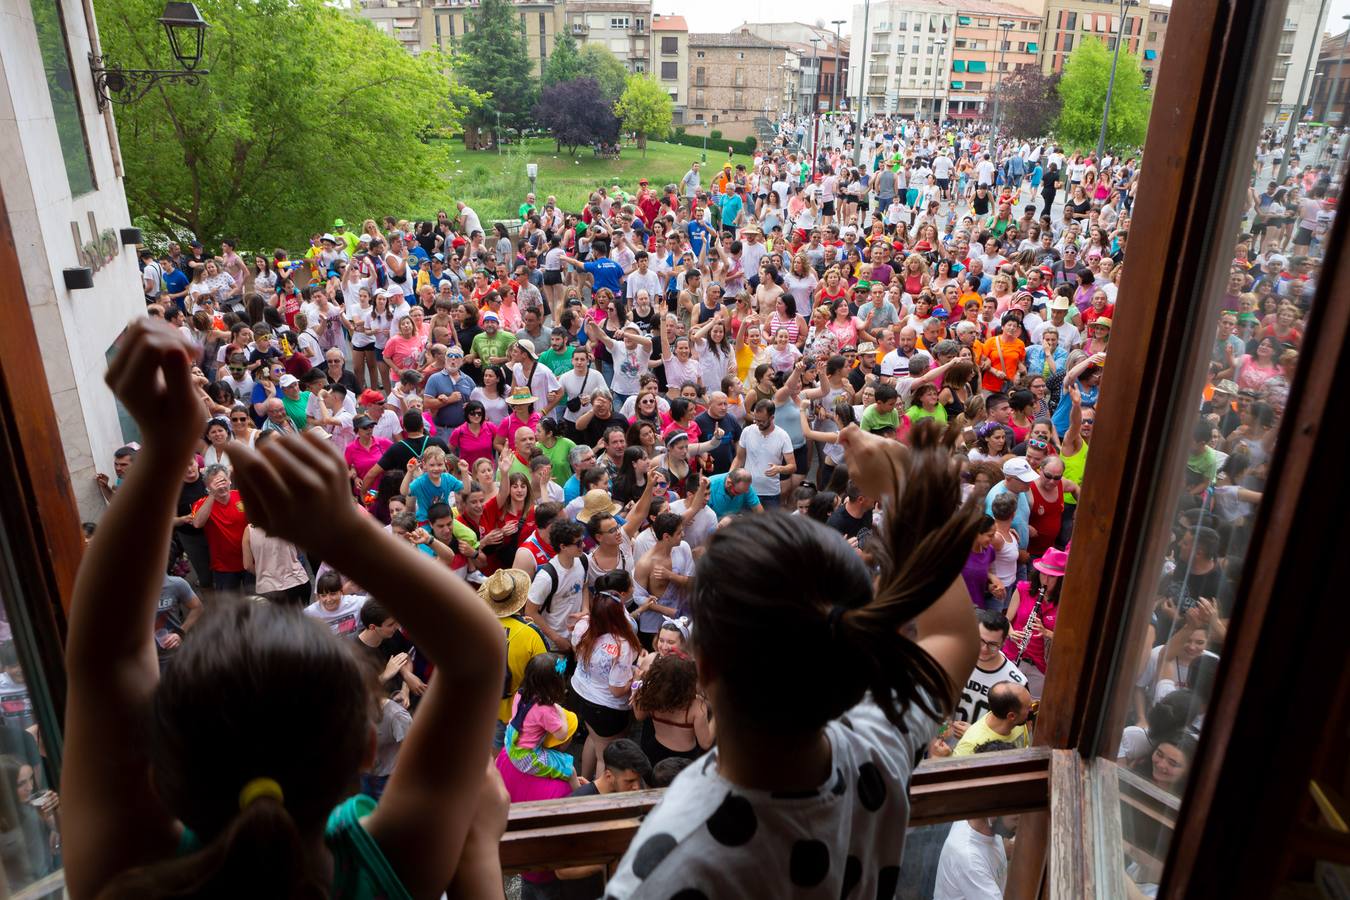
(187, 32)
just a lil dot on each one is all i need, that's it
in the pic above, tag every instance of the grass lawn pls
(495, 185)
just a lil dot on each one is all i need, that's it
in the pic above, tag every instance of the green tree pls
(302, 105)
(491, 60)
(607, 69)
(565, 63)
(645, 108)
(1083, 92)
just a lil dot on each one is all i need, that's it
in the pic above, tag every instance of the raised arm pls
(111, 662)
(423, 819)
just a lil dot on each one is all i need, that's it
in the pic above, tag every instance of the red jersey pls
(225, 533)
(1045, 518)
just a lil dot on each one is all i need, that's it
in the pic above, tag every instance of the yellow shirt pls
(523, 644)
(979, 733)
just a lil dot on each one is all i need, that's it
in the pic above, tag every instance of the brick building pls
(733, 80)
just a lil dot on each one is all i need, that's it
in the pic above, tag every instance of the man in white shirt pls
(766, 451)
(558, 593)
(984, 172)
(643, 278)
(468, 219)
(974, 861)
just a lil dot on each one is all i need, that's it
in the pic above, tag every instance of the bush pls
(745, 148)
(751, 143)
(714, 135)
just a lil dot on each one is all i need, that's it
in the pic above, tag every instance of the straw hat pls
(596, 502)
(506, 591)
(521, 394)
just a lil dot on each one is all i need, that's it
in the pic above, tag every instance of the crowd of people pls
(628, 455)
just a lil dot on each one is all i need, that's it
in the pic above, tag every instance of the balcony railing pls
(553, 834)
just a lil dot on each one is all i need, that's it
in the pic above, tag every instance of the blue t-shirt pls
(452, 414)
(1021, 519)
(1036, 175)
(572, 489)
(426, 494)
(723, 503)
(1060, 418)
(176, 281)
(698, 234)
(606, 273)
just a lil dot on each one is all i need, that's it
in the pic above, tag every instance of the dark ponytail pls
(771, 581)
(255, 691)
(926, 540)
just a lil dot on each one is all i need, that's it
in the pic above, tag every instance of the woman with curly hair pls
(674, 717)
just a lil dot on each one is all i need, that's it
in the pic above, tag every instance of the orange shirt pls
(1004, 358)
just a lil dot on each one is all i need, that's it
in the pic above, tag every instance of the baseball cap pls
(491, 317)
(525, 345)
(370, 397)
(362, 421)
(1019, 468)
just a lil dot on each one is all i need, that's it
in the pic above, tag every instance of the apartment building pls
(733, 79)
(905, 57)
(819, 62)
(425, 25)
(1300, 40)
(670, 59)
(1153, 42)
(621, 26)
(1070, 22)
(991, 42)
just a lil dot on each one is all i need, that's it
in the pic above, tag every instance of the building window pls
(618, 21)
(1070, 21)
(738, 99)
(670, 71)
(698, 118)
(1068, 43)
(714, 118)
(698, 98)
(699, 54)
(670, 46)
(700, 75)
(740, 77)
(740, 55)
(56, 62)
(960, 43)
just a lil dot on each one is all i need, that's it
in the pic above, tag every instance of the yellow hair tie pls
(257, 788)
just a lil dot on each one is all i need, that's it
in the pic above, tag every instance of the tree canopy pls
(1083, 92)
(492, 59)
(577, 112)
(565, 62)
(302, 103)
(645, 108)
(607, 69)
(1029, 103)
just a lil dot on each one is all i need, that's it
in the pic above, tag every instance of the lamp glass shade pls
(186, 29)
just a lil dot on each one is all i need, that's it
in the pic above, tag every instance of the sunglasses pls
(237, 370)
(1053, 477)
(243, 419)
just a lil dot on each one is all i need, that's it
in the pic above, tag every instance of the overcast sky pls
(719, 15)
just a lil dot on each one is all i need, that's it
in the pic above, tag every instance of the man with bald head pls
(277, 420)
(709, 422)
(1009, 708)
(897, 361)
(525, 440)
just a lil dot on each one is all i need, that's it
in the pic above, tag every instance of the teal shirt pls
(360, 869)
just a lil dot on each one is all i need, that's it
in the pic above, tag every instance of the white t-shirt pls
(762, 451)
(629, 366)
(974, 700)
(972, 866)
(985, 172)
(711, 838)
(610, 665)
(566, 599)
(637, 281)
(345, 619)
(575, 385)
(704, 523)
(542, 383)
(942, 167)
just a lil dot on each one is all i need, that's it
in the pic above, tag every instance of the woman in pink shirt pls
(364, 452)
(473, 440)
(403, 351)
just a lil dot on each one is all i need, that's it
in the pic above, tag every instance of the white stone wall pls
(74, 328)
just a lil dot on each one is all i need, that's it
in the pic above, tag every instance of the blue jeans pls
(770, 501)
(883, 204)
(231, 581)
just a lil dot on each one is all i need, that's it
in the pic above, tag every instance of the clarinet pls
(1027, 628)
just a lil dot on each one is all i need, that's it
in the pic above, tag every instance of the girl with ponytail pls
(806, 790)
(235, 773)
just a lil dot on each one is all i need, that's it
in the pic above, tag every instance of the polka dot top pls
(711, 839)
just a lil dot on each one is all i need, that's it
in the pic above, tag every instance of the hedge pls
(720, 145)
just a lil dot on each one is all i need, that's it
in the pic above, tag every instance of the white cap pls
(364, 239)
(1019, 468)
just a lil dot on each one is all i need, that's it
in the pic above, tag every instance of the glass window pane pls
(30, 835)
(51, 33)
(1232, 393)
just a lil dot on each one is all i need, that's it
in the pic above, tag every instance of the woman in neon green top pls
(233, 774)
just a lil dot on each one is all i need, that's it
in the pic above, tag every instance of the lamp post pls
(834, 82)
(1006, 27)
(815, 102)
(186, 30)
(937, 67)
(1111, 82)
(862, 83)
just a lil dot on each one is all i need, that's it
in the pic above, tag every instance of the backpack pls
(553, 576)
(506, 684)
